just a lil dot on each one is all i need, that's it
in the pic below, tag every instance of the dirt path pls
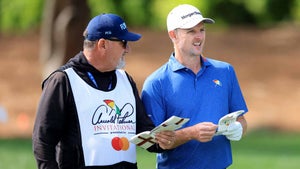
(266, 61)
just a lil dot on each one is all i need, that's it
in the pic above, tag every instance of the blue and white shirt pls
(206, 96)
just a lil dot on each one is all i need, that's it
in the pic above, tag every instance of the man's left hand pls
(234, 131)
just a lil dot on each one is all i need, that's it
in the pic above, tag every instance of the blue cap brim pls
(129, 36)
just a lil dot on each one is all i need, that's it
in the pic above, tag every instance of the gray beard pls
(121, 63)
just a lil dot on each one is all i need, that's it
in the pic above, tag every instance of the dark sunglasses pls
(124, 42)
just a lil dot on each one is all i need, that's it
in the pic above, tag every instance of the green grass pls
(16, 153)
(260, 149)
(264, 149)
(145, 159)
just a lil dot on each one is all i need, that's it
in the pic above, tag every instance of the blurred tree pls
(19, 16)
(230, 12)
(61, 31)
(134, 12)
(280, 10)
(64, 21)
(259, 13)
(296, 11)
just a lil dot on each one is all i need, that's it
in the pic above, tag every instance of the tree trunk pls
(62, 32)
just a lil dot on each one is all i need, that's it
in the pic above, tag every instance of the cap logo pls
(107, 33)
(123, 26)
(109, 25)
(190, 14)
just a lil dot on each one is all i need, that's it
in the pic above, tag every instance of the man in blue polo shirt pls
(192, 86)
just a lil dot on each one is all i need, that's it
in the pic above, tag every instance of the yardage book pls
(147, 138)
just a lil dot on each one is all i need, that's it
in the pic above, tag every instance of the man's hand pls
(234, 131)
(227, 120)
(166, 139)
(204, 131)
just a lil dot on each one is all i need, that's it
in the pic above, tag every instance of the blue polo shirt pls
(206, 96)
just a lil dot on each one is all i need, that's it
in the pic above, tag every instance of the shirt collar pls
(175, 65)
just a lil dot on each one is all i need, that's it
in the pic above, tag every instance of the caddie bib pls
(107, 120)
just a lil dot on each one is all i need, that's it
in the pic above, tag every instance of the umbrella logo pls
(217, 82)
(113, 106)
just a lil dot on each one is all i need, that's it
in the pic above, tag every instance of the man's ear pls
(101, 44)
(172, 35)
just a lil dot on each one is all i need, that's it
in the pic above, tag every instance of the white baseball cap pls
(185, 16)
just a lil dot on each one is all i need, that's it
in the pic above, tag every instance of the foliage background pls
(20, 16)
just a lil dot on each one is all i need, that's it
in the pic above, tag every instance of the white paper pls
(147, 138)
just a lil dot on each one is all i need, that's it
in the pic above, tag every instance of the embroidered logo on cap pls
(107, 33)
(123, 26)
(191, 14)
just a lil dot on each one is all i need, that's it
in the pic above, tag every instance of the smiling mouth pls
(197, 44)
